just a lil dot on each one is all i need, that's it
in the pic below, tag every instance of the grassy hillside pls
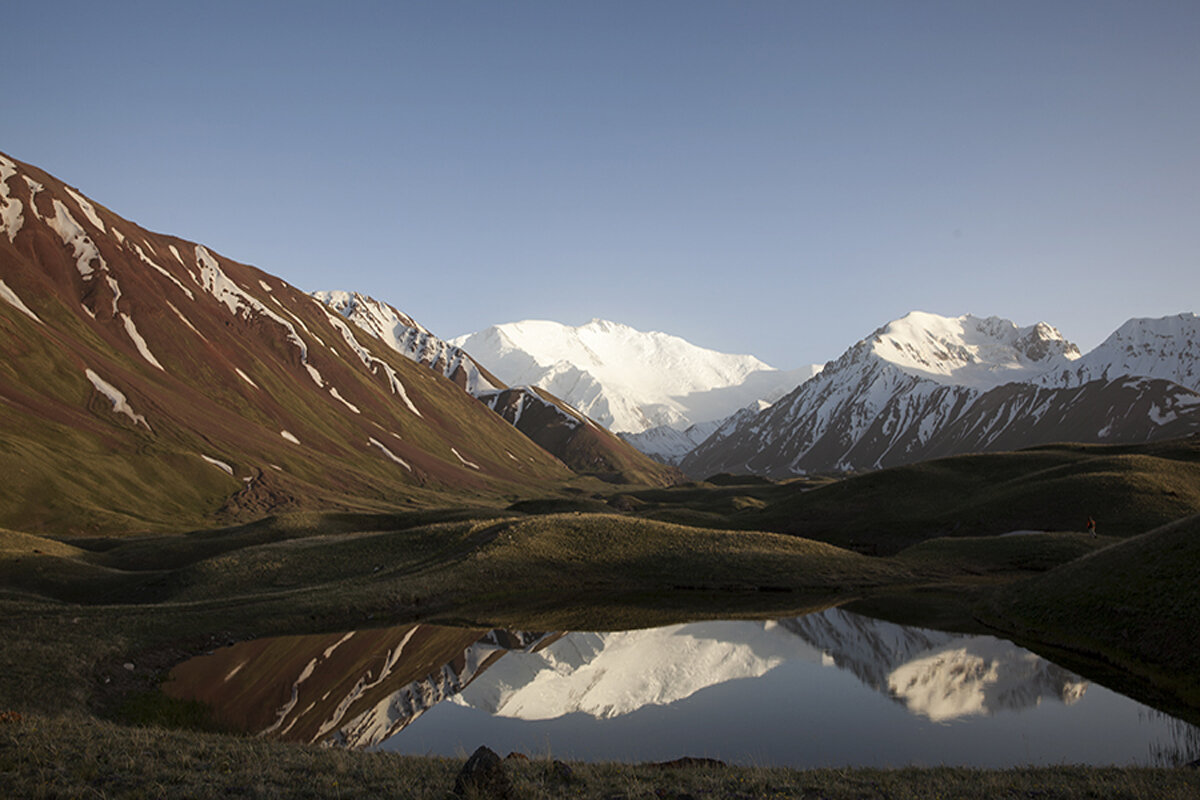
(1134, 605)
(1127, 489)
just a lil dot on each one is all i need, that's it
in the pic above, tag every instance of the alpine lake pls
(828, 689)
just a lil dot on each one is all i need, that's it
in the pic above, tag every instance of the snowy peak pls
(926, 386)
(1166, 348)
(628, 380)
(980, 353)
(551, 423)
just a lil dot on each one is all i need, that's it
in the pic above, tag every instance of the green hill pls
(1128, 490)
(1134, 605)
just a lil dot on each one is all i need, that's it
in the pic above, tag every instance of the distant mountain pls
(553, 424)
(150, 382)
(1166, 348)
(927, 386)
(625, 379)
(669, 445)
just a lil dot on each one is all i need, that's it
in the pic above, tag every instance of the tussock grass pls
(42, 757)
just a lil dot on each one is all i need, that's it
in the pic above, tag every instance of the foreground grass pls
(42, 757)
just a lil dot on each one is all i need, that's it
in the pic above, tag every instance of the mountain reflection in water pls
(363, 688)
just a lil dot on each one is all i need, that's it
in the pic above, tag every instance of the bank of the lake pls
(45, 757)
(73, 615)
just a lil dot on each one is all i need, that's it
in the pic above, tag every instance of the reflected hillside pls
(353, 689)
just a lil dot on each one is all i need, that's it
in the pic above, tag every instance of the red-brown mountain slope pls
(148, 382)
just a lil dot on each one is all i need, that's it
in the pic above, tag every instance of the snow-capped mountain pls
(1166, 348)
(669, 445)
(553, 424)
(150, 381)
(926, 386)
(625, 379)
(979, 353)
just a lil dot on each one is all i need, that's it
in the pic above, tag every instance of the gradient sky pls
(775, 178)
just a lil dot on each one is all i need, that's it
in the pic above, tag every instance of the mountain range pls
(150, 382)
(552, 423)
(628, 380)
(927, 386)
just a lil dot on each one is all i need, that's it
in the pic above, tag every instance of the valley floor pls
(90, 628)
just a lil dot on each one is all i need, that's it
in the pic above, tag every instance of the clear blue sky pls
(777, 178)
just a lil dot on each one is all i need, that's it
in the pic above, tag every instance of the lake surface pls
(828, 689)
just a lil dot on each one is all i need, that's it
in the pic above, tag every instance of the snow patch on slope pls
(136, 337)
(87, 208)
(407, 337)
(147, 260)
(241, 303)
(387, 452)
(87, 255)
(221, 465)
(116, 397)
(371, 362)
(11, 298)
(11, 218)
(464, 461)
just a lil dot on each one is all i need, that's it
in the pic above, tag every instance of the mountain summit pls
(552, 423)
(627, 380)
(1166, 348)
(981, 353)
(926, 386)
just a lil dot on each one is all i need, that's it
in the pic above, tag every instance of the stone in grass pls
(562, 772)
(483, 776)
